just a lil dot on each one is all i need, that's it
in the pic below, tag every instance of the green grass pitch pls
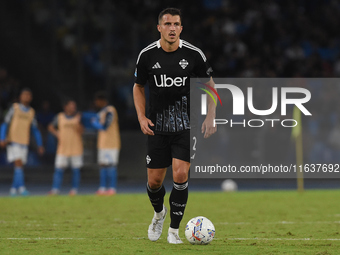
(270, 222)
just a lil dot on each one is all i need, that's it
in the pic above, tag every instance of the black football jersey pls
(168, 76)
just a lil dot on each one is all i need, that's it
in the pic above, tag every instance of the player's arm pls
(208, 127)
(52, 127)
(108, 120)
(3, 133)
(203, 69)
(141, 75)
(4, 127)
(37, 135)
(80, 127)
(139, 100)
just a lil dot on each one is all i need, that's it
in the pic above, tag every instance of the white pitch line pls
(280, 222)
(285, 239)
(143, 238)
(43, 238)
(65, 238)
(219, 223)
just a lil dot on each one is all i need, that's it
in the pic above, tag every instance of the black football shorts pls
(161, 149)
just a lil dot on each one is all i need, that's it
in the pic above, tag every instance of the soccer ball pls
(229, 185)
(199, 230)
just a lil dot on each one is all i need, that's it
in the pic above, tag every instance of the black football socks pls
(178, 200)
(156, 197)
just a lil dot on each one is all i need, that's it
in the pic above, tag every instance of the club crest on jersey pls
(183, 63)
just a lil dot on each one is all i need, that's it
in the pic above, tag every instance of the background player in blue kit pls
(108, 144)
(167, 65)
(15, 133)
(68, 129)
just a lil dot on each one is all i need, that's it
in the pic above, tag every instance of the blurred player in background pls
(108, 143)
(68, 129)
(15, 133)
(167, 66)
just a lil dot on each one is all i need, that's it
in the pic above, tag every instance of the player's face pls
(99, 103)
(70, 108)
(26, 97)
(170, 28)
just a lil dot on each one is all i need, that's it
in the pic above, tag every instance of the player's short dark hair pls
(26, 90)
(171, 11)
(100, 95)
(66, 100)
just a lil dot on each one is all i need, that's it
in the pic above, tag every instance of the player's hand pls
(57, 135)
(144, 126)
(78, 117)
(208, 127)
(41, 150)
(3, 144)
(80, 128)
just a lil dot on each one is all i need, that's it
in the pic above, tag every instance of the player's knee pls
(155, 183)
(180, 175)
(18, 163)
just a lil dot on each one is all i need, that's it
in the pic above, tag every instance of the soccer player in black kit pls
(167, 66)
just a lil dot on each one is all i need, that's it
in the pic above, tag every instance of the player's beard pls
(171, 41)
